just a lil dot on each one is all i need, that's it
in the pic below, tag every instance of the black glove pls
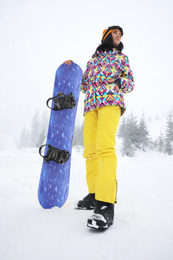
(118, 82)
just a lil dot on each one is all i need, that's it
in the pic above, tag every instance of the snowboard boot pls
(102, 217)
(88, 202)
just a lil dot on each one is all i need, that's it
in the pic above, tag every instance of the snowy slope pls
(143, 226)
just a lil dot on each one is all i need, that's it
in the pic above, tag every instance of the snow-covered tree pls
(135, 134)
(133, 130)
(128, 131)
(128, 148)
(24, 138)
(168, 143)
(35, 136)
(35, 129)
(143, 134)
(122, 128)
(78, 135)
(44, 121)
(160, 143)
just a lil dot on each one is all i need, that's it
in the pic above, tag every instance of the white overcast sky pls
(36, 36)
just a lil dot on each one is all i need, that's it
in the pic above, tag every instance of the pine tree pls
(143, 134)
(78, 135)
(128, 148)
(160, 143)
(35, 129)
(128, 131)
(132, 130)
(122, 128)
(43, 129)
(168, 143)
(135, 135)
(24, 139)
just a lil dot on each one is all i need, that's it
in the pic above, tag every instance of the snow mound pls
(143, 228)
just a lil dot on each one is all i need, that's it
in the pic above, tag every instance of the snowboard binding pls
(62, 101)
(54, 154)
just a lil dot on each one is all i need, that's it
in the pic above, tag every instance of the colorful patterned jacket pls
(100, 68)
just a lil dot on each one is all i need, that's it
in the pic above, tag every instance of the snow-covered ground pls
(143, 228)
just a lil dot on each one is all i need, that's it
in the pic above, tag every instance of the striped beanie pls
(106, 32)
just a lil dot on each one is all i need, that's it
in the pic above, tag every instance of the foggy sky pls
(37, 36)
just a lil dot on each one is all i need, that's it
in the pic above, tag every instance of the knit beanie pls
(106, 32)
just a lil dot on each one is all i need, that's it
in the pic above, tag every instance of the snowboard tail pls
(55, 173)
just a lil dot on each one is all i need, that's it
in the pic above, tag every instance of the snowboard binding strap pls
(62, 101)
(54, 154)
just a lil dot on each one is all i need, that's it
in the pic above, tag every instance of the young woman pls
(105, 81)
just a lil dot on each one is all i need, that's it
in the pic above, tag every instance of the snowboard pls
(53, 187)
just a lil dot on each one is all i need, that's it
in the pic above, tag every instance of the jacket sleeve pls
(84, 84)
(127, 80)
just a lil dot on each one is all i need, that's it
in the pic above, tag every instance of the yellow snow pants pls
(100, 127)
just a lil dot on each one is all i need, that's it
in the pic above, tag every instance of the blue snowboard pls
(54, 180)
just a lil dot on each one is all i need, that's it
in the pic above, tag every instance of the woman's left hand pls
(68, 62)
(110, 81)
